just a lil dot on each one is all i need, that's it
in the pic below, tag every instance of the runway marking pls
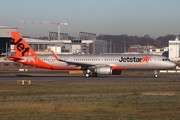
(159, 93)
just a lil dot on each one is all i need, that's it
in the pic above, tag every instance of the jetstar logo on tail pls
(21, 47)
(134, 59)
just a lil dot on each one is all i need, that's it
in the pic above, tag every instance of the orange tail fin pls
(21, 47)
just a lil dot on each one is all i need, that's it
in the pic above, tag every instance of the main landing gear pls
(90, 73)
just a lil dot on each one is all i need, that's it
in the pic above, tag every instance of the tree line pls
(119, 40)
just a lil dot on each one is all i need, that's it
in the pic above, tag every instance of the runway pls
(8, 77)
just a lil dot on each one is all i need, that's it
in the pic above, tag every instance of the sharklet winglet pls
(55, 56)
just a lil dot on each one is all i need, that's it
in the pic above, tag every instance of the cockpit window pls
(165, 59)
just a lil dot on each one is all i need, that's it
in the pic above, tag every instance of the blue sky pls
(116, 17)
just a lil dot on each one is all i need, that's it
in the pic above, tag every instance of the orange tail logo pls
(20, 45)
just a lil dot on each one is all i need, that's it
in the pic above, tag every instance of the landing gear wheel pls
(94, 74)
(155, 73)
(87, 75)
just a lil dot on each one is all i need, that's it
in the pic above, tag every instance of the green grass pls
(98, 100)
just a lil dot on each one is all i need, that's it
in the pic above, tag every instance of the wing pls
(81, 64)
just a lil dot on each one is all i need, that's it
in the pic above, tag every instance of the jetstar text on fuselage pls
(130, 59)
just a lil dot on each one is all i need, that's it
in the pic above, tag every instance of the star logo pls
(145, 59)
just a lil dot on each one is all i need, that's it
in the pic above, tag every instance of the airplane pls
(94, 65)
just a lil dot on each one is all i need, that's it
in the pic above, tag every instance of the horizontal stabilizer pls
(15, 58)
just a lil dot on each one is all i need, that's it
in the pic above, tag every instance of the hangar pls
(5, 38)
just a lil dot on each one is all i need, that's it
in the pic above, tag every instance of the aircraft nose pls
(171, 64)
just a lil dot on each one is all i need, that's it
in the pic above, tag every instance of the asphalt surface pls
(8, 77)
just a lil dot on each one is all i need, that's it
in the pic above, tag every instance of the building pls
(68, 46)
(86, 44)
(135, 48)
(5, 38)
(158, 51)
(174, 53)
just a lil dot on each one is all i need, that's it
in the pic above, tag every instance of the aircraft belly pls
(144, 67)
(154, 65)
(134, 66)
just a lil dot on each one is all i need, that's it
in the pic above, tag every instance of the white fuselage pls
(122, 61)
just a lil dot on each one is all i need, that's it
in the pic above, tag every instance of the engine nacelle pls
(103, 70)
(106, 70)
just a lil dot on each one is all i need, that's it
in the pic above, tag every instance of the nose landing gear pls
(155, 73)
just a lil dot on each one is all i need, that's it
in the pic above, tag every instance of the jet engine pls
(106, 70)
(103, 70)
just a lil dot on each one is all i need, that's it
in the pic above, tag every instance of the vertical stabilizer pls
(21, 47)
